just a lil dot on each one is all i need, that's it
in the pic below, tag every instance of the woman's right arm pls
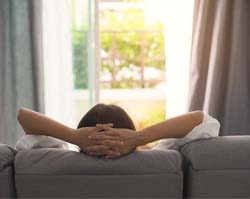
(176, 127)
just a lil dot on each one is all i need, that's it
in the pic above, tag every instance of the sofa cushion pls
(225, 152)
(7, 187)
(62, 173)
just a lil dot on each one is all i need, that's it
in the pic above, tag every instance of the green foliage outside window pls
(80, 59)
(129, 24)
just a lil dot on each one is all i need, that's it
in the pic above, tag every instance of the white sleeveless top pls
(207, 129)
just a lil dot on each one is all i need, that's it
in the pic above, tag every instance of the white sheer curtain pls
(58, 60)
(178, 37)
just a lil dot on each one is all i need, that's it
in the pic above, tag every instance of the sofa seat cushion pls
(225, 152)
(152, 173)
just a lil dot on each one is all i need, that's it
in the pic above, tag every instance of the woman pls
(107, 130)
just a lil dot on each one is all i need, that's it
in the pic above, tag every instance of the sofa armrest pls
(7, 155)
(7, 185)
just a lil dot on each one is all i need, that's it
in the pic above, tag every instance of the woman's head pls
(102, 114)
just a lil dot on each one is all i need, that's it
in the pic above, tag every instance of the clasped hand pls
(103, 140)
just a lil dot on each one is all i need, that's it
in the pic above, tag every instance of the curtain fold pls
(36, 23)
(220, 63)
(20, 63)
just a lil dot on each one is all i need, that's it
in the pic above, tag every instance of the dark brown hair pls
(102, 114)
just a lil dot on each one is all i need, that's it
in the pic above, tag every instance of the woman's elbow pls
(20, 113)
(201, 115)
(198, 116)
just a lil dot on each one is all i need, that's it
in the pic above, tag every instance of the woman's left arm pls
(38, 124)
(35, 123)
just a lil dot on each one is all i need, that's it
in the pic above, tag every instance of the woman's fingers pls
(99, 137)
(104, 126)
(112, 132)
(102, 136)
(109, 143)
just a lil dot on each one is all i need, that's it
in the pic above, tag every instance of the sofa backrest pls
(57, 173)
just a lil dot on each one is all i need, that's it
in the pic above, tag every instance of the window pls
(132, 59)
(122, 52)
